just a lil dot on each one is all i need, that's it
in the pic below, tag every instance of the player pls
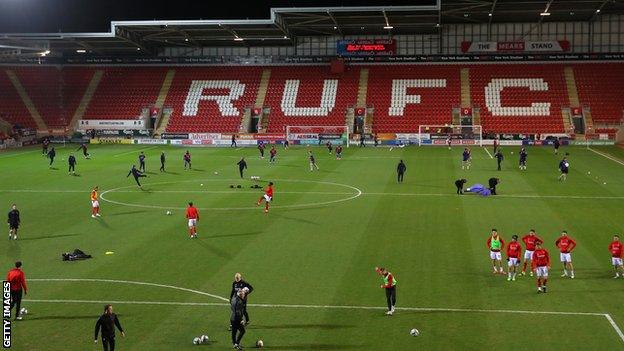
(95, 204)
(272, 154)
(286, 144)
(162, 161)
(71, 161)
(242, 165)
(389, 285)
(375, 140)
(329, 147)
(312, 161)
(466, 159)
(51, 155)
(566, 245)
(261, 147)
(193, 217)
(616, 249)
(540, 263)
(459, 184)
(18, 285)
(267, 197)
(523, 159)
(44, 146)
(499, 158)
(448, 142)
(401, 168)
(496, 244)
(514, 249)
(493, 182)
(564, 168)
(240, 284)
(233, 144)
(362, 140)
(142, 162)
(13, 221)
(556, 145)
(187, 160)
(107, 323)
(495, 144)
(339, 152)
(236, 318)
(83, 147)
(136, 174)
(530, 241)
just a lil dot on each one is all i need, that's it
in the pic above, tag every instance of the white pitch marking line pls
(606, 156)
(126, 282)
(135, 151)
(488, 152)
(344, 307)
(615, 326)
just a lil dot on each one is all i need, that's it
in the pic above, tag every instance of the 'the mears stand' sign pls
(6, 314)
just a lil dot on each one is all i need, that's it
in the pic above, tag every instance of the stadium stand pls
(426, 95)
(223, 109)
(44, 87)
(12, 108)
(600, 88)
(519, 98)
(123, 92)
(310, 95)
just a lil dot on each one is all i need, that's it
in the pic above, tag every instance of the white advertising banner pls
(111, 124)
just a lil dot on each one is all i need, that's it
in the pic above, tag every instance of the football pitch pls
(311, 259)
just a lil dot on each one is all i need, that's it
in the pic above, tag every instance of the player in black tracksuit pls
(162, 162)
(499, 158)
(493, 182)
(136, 174)
(401, 168)
(242, 165)
(13, 221)
(240, 284)
(83, 147)
(459, 183)
(51, 155)
(107, 323)
(71, 160)
(142, 162)
(237, 305)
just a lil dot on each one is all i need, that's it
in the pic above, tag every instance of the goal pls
(459, 134)
(317, 135)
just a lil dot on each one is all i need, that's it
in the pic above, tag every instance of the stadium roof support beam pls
(335, 23)
(134, 39)
(599, 9)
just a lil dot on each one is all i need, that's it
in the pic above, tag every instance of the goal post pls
(317, 135)
(459, 134)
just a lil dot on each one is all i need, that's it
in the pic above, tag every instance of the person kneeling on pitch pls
(237, 305)
(107, 322)
(459, 184)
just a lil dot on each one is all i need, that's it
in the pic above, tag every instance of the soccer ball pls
(168, 213)
(196, 341)
(512, 152)
(23, 310)
(216, 172)
(259, 344)
(414, 332)
(567, 164)
(202, 184)
(204, 339)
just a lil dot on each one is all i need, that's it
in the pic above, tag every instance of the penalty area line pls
(606, 156)
(488, 152)
(607, 316)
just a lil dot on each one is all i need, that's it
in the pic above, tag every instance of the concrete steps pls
(30, 105)
(163, 120)
(262, 93)
(86, 98)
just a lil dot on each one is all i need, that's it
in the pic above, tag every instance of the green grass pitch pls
(317, 247)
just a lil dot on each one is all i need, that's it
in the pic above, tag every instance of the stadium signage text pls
(6, 314)
(117, 124)
(363, 47)
(516, 46)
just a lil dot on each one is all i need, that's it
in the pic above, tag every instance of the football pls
(23, 310)
(168, 213)
(204, 339)
(196, 341)
(414, 332)
(259, 344)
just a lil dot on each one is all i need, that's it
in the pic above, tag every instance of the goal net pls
(318, 135)
(458, 134)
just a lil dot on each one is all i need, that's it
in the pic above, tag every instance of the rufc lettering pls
(6, 314)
